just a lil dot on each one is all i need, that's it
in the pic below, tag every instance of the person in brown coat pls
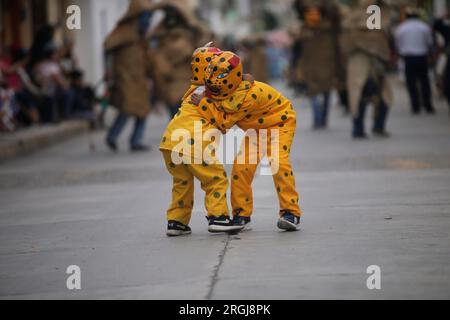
(318, 58)
(173, 42)
(341, 83)
(368, 55)
(254, 57)
(128, 72)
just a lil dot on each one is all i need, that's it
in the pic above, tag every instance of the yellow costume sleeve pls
(225, 113)
(234, 103)
(190, 91)
(226, 120)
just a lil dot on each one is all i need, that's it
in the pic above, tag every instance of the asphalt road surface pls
(382, 202)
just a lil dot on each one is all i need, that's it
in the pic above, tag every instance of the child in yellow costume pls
(183, 145)
(256, 106)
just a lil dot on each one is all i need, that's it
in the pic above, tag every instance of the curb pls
(34, 139)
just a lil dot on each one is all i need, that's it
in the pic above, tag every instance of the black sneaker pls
(242, 221)
(288, 222)
(112, 145)
(431, 110)
(222, 224)
(359, 136)
(381, 133)
(175, 229)
(139, 148)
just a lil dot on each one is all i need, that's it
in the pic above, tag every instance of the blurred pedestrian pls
(341, 84)
(368, 55)
(173, 41)
(318, 58)
(254, 57)
(296, 77)
(128, 68)
(414, 41)
(277, 51)
(442, 27)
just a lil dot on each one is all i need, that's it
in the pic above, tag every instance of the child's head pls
(224, 75)
(312, 17)
(200, 61)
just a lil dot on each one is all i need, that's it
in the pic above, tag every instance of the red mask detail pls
(234, 61)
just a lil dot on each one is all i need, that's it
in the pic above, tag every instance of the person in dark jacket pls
(442, 27)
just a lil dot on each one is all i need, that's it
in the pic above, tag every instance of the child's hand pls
(248, 77)
(196, 98)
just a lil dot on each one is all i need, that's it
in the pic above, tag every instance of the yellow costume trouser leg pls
(213, 181)
(242, 175)
(284, 181)
(283, 176)
(241, 189)
(182, 191)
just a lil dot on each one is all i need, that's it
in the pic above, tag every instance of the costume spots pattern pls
(223, 75)
(213, 182)
(282, 174)
(260, 107)
(200, 61)
(186, 119)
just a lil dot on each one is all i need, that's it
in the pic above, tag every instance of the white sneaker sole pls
(177, 233)
(286, 225)
(247, 227)
(220, 229)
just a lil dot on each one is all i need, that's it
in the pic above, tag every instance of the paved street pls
(375, 202)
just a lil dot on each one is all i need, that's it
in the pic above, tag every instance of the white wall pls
(440, 7)
(98, 18)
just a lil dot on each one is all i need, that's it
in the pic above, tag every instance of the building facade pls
(20, 19)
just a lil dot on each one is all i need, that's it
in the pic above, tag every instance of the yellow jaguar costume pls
(256, 106)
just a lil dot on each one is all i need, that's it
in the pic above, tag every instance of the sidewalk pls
(33, 139)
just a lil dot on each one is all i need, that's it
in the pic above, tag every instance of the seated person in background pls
(27, 94)
(54, 85)
(8, 109)
(80, 99)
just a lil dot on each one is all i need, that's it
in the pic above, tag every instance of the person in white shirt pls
(414, 41)
(53, 85)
